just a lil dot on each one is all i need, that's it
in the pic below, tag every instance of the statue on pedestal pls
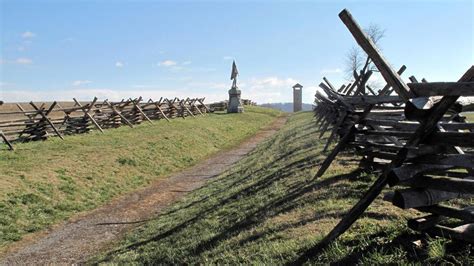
(235, 105)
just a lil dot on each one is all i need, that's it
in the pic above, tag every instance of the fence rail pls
(38, 122)
(413, 133)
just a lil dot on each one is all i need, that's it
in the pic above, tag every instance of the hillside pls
(268, 209)
(42, 183)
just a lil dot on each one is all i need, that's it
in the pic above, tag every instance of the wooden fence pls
(413, 133)
(38, 122)
(222, 106)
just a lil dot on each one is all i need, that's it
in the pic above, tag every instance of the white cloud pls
(119, 64)
(331, 71)
(186, 63)
(167, 63)
(268, 89)
(271, 83)
(23, 61)
(81, 82)
(28, 34)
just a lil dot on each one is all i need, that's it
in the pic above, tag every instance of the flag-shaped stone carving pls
(235, 105)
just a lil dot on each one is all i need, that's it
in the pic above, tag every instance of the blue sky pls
(56, 50)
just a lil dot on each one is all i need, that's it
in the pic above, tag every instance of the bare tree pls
(357, 60)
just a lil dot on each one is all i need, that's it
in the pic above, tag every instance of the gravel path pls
(75, 240)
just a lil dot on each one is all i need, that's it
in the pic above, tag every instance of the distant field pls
(42, 183)
(12, 107)
(470, 117)
(269, 210)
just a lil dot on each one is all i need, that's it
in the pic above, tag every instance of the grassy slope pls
(268, 209)
(45, 182)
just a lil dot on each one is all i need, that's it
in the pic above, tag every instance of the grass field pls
(268, 209)
(470, 117)
(42, 183)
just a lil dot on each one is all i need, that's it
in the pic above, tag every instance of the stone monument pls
(235, 105)
(297, 97)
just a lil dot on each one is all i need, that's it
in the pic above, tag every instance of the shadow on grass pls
(272, 208)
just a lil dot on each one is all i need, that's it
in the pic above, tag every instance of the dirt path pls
(84, 235)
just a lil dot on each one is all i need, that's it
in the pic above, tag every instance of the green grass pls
(268, 209)
(42, 183)
(470, 116)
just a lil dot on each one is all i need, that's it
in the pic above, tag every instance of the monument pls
(235, 105)
(297, 97)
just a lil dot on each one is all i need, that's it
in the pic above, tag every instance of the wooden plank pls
(386, 89)
(443, 88)
(44, 115)
(380, 62)
(464, 232)
(465, 214)
(423, 223)
(449, 184)
(342, 143)
(86, 112)
(183, 104)
(141, 111)
(10, 146)
(361, 87)
(463, 139)
(342, 117)
(372, 99)
(192, 102)
(201, 101)
(414, 197)
(157, 104)
(426, 127)
(119, 114)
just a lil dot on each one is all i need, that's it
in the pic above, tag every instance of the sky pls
(57, 50)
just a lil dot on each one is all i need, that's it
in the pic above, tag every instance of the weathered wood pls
(342, 117)
(135, 104)
(361, 87)
(413, 198)
(342, 143)
(423, 223)
(443, 88)
(370, 48)
(426, 127)
(372, 99)
(386, 89)
(87, 110)
(463, 232)
(10, 146)
(119, 114)
(45, 117)
(465, 214)
(456, 185)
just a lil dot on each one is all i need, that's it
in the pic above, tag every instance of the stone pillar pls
(235, 104)
(297, 97)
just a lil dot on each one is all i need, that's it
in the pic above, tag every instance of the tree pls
(357, 60)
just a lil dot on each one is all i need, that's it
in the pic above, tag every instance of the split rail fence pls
(38, 122)
(413, 133)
